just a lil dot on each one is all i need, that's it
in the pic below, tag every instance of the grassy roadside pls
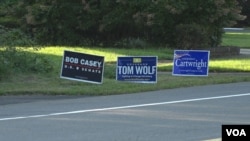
(223, 70)
(28, 83)
(53, 85)
(239, 39)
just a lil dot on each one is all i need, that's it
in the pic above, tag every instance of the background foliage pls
(245, 4)
(13, 58)
(126, 23)
(119, 23)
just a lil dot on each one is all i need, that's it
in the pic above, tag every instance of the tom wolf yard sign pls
(140, 69)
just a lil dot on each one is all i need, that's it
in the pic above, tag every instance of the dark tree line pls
(245, 4)
(175, 23)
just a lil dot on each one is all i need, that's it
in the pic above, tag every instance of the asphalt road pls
(183, 114)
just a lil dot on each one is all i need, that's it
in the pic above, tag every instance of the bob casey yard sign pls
(82, 67)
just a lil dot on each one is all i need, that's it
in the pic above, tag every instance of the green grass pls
(236, 39)
(39, 84)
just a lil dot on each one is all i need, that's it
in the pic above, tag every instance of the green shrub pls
(14, 37)
(14, 58)
(191, 36)
(4, 67)
(131, 43)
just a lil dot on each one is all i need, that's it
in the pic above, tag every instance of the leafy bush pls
(191, 36)
(4, 68)
(131, 43)
(14, 58)
(245, 11)
(17, 60)
(11, 38)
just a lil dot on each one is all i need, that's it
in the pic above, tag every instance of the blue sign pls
(139, 69)
(190, 63)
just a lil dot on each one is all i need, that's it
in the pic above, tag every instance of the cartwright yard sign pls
(82, 67)
(191, 63)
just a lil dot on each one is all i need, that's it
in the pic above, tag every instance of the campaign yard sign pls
(191, 63)
(82, 67)
(140, 69)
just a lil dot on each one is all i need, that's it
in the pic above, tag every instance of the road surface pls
(183, 114)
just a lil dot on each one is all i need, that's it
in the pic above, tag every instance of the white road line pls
(124, 107)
